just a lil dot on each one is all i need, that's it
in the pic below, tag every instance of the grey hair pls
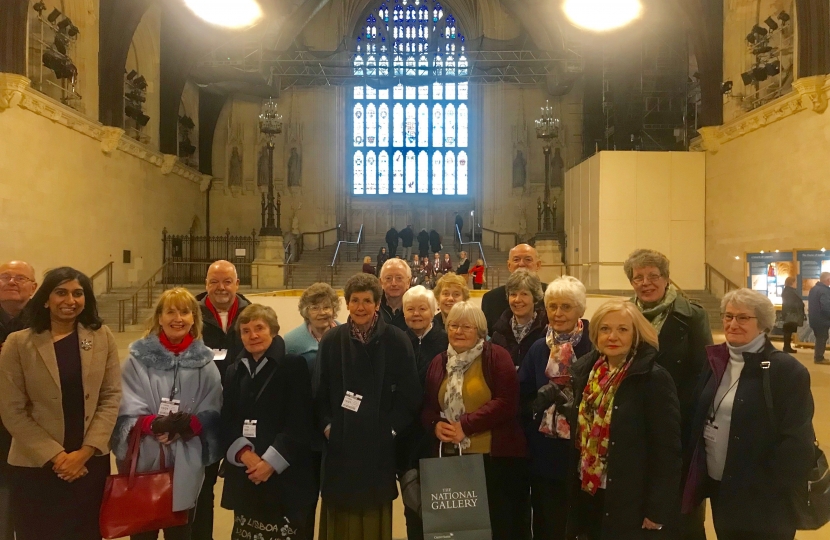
(643, 258)
(523, 279)
(465, 311)
(316, 294)
(571, 288)
(754, 301)
(396, 262)
(419, 292)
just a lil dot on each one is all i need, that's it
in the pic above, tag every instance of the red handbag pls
(139, 502)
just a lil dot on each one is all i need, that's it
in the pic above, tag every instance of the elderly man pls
(684, 334)
(494, 302)
(220, 305)
(395, 278)
(17, 285)
(818, 307)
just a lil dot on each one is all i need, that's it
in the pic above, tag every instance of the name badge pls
(249, 428)
(168, 406)
(710, 432)
(352, 401)
(219, 354)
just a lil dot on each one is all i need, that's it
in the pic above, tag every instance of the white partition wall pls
(617, 202)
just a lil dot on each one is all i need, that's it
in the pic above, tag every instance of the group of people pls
(617, 427)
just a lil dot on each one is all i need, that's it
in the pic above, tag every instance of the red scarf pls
(175, 349)
(231, 312)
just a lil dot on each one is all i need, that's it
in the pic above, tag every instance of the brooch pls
(86, 344)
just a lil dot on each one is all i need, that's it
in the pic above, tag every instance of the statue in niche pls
(262, 169)
(235, 169)
(295, 168)
(519, 170)
(557, 174)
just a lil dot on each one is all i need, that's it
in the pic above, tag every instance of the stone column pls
(549, 254)
(268, 270)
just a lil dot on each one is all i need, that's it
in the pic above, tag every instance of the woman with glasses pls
(525, 320)
(449, 290)
(471, 406)
(748, 460)
(547, 394)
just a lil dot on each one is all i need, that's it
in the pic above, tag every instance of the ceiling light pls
(783, 17)
(747, 78)
(759, 30)
(737, 258)
(773, 26)
(602, 15)
(773, 68)
(760, 73)
(726, 87)
(227, 13)
(54, 15)
(823, 250)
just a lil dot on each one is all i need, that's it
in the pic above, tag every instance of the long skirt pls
(268, 526)
(372, 524)
(46, 507)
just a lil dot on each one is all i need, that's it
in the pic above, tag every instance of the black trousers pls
(6, 527)
(477, 286)
(175, 533)
(692, 526)
(589, 512)
(713, 489)
(392, 249)
(508, 494)
(789, 330)
(549, 500)
(317, 463)
(202, 524)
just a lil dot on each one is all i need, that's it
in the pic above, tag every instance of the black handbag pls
(811, 506)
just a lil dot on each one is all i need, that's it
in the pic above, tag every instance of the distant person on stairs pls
(792, 312)
(220, 304)
(383, 256)
(435, 241)
(392, 241)
(423, 244)
(684, 333)
(818, 309)
(407, 237)
(395, 279)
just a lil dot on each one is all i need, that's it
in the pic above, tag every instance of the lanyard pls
(175, 389)
(716, 408)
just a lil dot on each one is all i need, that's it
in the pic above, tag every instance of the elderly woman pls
(267, 419)
(428, 341)
(472, 403)
(747, 459)
(60, 386)
(525, 321)
(173, 394)
(367, 265)
(463, 264)
(547, 397)
(319, 305)
(626, 401)
(368, 393)
(449, 290)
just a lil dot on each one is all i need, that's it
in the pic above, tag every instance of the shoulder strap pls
(768, 394)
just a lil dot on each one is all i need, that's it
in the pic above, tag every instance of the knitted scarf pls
(364, 336)
(657, 315)
(595, 421)
(457, 365)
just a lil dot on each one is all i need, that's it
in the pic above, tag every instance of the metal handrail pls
(335, 260)
(107, 268)
(497, 237)
(321, 236)
(728, 284)
(150, 285)
(461, 244)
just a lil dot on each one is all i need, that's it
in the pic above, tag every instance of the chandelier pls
(547, 126)
(270, 121)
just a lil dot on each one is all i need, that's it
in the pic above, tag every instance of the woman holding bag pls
(59, 392)
(172, 387)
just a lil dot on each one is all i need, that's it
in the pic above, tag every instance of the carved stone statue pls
(262, 169)
(557, 170)
(295, 166)
(519, 170)
(235, 169)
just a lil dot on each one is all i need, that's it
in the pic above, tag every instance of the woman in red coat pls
(471, 403)
(478, 274)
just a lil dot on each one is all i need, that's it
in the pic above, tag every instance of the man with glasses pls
(494, 302)
(220, 305)
(395, 279)
(684, 334)
(818, 309)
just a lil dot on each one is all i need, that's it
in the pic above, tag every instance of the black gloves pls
(548, 395)
(174, 424)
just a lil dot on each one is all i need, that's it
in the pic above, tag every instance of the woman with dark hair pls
(60, 386)
(368, 393)
(383, 256)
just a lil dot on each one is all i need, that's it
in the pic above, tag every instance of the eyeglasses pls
(564, 308)
(742, 319)
(18, 279)
(319, 309)
(651, 278)
(463, 327)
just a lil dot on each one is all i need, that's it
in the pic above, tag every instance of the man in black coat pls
(220, 306)
(392, 241)
(818, 310)
(792, 312)
(17, 285)
(684, 333)
(423, 244)
(395, 279)
(494, 303)
(407, 236)
(435, 241)
(459, 224)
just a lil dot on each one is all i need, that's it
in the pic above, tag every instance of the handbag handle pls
(441, 448)
(135, 446)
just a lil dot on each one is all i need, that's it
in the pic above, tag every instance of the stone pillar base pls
(268, 269)
(549, 254)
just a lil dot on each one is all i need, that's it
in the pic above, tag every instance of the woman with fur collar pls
(172, 389)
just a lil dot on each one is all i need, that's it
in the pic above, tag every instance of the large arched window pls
(409, 102)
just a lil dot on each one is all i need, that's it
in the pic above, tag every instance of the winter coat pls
(503, 334)
(459, 223)
(435, 241)
(359, 464)
(278, 397)
(463, 267)
(549, 458)
(792, 310)
(395, 318)
(216, 338)
(423, 240)
(392, 237)
(368, 268)
(500, 415)
(764, 463)
(478, 277)
(382, 258)
(644, 458)
(494, 303)
(818, 306)
(407, 236)
(446, 266)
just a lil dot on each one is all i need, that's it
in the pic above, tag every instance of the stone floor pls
(286, 308)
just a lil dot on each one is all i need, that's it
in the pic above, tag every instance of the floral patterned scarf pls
(359, 334)
(595, 421)
(554, 423)
(457, 365)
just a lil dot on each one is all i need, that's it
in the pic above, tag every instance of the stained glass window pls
(408, 102)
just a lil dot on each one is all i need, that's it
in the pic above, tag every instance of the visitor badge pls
(219, 354)
(352, 401)
(249, 428)
(710, 431)
(168, 406)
